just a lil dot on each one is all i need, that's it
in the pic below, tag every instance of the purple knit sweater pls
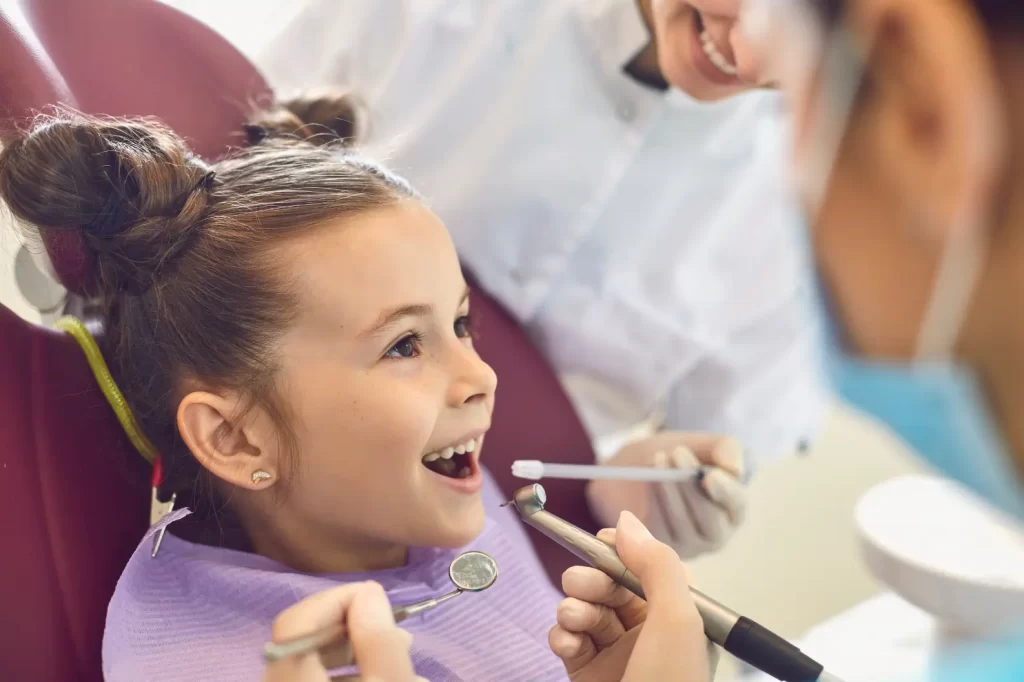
(203, 613)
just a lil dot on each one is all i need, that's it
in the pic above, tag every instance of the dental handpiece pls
(740, 636)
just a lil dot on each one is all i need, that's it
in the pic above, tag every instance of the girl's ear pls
(235, 445)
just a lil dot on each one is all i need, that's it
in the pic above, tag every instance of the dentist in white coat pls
(642, 233)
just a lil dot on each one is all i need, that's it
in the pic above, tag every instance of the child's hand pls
(693, 517)
(601, 623)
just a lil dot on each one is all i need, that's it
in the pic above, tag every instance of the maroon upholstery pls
(533, 419)
(73, 505)
(143, 58)
(73, 494)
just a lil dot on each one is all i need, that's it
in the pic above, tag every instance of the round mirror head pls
(473, 571)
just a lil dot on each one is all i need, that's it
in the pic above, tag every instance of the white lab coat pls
(644, 240)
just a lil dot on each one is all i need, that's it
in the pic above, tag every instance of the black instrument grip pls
(766, 651)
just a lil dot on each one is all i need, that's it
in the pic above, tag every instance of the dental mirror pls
(469, 572)
(473, 571)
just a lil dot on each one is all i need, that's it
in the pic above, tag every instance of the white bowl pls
(943, 550)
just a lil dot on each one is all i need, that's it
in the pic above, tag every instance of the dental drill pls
(739, 635)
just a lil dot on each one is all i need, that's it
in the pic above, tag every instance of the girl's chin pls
(453, 535)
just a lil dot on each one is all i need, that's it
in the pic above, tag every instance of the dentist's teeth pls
(471, 446)
(714, 56)
(460, 449)
(464, 472)
(432, 457)
(447, 453)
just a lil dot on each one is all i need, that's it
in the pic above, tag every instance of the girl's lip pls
(707, 70)
(476, 435)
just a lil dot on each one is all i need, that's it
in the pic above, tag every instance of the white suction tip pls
(531, 469)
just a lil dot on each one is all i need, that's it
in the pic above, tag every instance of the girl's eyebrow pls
(391, 315)
(388, 317)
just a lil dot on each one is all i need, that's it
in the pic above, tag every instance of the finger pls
(591, 585)
(309, 615)
(661, 572)
(355, 678)
(710, 449)
(668, 507)
(313, 613)
(709, 520)
(728, 493)
(598, 621)
(574, 648)
(381, 648)
(671, 643)
(607, 536)
(727, 454)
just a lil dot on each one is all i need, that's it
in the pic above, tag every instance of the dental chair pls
(74, 495)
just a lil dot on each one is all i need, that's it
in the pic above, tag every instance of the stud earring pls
(260, 475)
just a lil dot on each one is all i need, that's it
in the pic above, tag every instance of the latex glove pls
(380, 647)
(694, 517)
(605, 633)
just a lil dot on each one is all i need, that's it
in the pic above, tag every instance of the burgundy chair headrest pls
(128, 58)
(533, 419)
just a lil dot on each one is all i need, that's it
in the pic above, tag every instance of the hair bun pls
(320, 118)
(132, 187)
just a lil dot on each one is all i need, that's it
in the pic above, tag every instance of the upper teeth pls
(451, 451)
(716, 57)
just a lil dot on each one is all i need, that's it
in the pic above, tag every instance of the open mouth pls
(711, 51)
(454, 461)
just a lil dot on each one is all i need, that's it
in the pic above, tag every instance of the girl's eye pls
(464, 327)
(406, 347)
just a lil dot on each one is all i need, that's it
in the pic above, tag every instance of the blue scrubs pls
(1003, 662)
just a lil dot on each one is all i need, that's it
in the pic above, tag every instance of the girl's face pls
(379, 374)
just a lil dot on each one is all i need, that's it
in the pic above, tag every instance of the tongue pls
(443, 466)
(456, 467)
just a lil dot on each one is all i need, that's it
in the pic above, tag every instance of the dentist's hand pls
(380, 647)
(605, 633)
(694, 517)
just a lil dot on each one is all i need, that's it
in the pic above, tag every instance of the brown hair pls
(183, 274)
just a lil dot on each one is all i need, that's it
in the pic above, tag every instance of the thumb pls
(671, 645)
(657, 565)
(381, 648)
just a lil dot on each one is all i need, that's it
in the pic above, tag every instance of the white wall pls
(9, 294)
(796, 561)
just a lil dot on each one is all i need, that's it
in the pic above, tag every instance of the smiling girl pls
(292, 330)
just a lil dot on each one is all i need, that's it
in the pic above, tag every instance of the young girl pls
(292, 330)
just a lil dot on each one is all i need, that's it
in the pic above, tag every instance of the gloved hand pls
(693, 517)
(605, 633)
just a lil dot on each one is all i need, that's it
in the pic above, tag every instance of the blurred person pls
(908, 147)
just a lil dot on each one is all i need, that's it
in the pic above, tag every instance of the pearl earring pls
(260, 475)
